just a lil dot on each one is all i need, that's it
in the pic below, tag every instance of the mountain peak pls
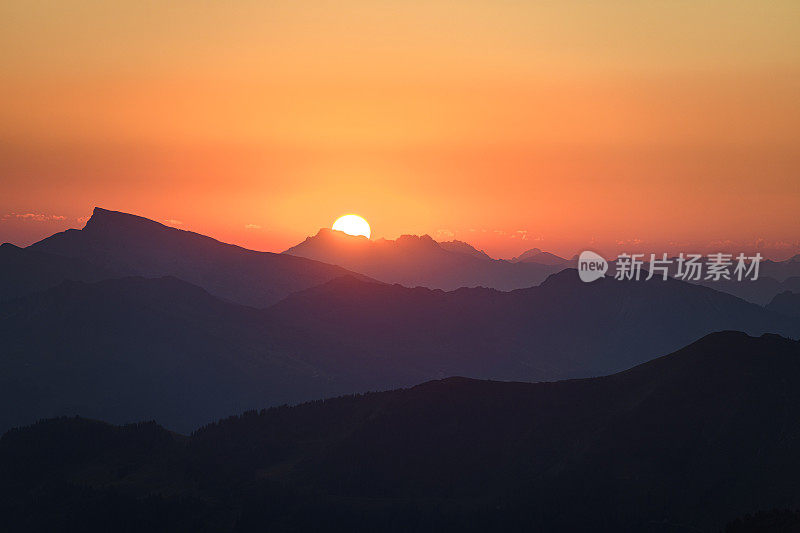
(528, 253)
(461, 247)
(417, 240)
(329, 233)
(136, 246)
(105, 219)
(536, 255)
(567, 277)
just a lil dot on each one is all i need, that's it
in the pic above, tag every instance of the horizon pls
(46, 226)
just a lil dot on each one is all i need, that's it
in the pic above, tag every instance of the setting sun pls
(352, 225)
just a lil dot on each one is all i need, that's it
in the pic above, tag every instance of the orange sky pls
(614, 124)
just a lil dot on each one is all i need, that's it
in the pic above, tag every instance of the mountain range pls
(134, 348)
(414, 261)
(81, 336)
(135, 246)
(686, 442)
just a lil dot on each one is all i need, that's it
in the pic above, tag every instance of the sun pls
(352, 225)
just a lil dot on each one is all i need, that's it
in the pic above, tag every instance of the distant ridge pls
(462, 247)
(786, 303)
(24, 271)
(418, 260)
(161, 348)
(136, 246)
(535, 255)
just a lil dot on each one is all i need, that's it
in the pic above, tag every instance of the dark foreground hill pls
(688, 442)
(130, 349)
(131, 245)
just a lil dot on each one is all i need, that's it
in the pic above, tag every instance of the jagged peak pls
(465, 248)
(416, 239)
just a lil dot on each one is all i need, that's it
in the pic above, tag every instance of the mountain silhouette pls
(135, 246)
(563, 328)
(462, 247)
(135, 348)
(535, 255)
(419, 261)
(689, 441)
(781, 270)
(24, 271)
(760, 291)
(786, 303)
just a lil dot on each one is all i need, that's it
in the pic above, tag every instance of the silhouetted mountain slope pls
(462, 247)
(135, 246)
(759, 291)
(134, 348)
(689, 441)
(535, 255)
(786, 303)
(774, 278)
(24, 271)
(561, 329)
(781, 270)
(415, 261)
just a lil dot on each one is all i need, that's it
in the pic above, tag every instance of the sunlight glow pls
(352, 225)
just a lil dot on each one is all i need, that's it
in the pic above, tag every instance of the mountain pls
(415, 261)
(129, 349)
(135, 246)
(563, 328)
(759, 291)
(535, 255)
(786, 303)
(135, 348)
(781, 270)
(24, 271)
(462, 247)
(687, 442)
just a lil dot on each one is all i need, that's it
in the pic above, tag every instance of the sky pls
(564, 125)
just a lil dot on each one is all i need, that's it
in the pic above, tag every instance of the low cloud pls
(444, 235)
(33, 217)
(252, 226)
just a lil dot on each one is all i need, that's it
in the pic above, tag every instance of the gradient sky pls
(673, 125)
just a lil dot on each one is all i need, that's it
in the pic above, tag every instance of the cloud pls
(33, 217)
(173, 222)
(444, 235)
(252, 226)
(630, 242)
